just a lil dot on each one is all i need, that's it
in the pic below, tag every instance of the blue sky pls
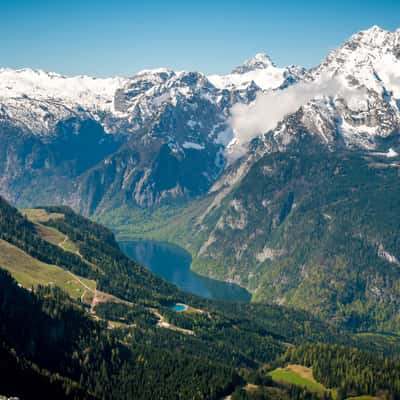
(119, 37)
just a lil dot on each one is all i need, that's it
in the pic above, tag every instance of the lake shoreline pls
(173, 262)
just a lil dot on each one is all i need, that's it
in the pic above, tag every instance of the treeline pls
(352, 371)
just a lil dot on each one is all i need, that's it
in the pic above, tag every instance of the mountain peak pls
(259, 61)
(374, 37)
(363, 53)
(374, 29)
(261, 58)
(260, 71)
(155, 71)
(374, 33)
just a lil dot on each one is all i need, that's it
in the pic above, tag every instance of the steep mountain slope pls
(80, 161)
(315, 230)
(308, 217)
(146, 140)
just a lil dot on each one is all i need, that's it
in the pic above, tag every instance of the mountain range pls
(157, 136)
(284, 180)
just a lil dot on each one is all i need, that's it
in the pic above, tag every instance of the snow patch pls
(192, 145)
(270, 78)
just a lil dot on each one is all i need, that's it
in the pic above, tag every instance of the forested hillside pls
(311, 229)
(108, 343)
(351, 370)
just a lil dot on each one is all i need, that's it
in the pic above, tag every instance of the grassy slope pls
(40, 215)
(52, 235)
(30, 272)
(297, 375)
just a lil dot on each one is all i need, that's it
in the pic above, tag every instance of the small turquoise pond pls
(179, 307)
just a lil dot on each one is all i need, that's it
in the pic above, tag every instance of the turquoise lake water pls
(173, 264)
(179, 307)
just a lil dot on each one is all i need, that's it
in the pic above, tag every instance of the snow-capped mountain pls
(351, 98)
(38, 100)
(148, 94)
(302, 217)
(157, 135)
(259, 70)
(140, 138)
(350, 101)
(40, 85)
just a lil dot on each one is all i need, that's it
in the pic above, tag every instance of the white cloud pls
(250, 120)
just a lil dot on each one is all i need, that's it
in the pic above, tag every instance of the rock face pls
(164, 136)
(156, 137)
(360, 91)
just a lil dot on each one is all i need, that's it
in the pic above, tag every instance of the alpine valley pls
(283, 180)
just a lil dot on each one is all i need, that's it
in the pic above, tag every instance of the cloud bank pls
(251, 120)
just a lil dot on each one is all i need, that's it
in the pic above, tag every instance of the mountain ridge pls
(185, 122)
